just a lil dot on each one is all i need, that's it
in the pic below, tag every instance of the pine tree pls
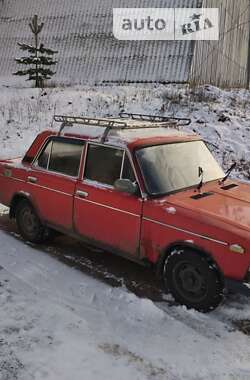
(40, 59)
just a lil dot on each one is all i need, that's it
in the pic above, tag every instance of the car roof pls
(133, 134)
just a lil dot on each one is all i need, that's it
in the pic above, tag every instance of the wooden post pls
(248, 63)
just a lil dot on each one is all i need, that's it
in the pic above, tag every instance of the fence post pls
(248, 63)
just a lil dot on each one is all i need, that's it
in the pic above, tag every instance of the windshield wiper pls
(201, 174)
(229, 171)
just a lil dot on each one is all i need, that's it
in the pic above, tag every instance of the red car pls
(138, 187)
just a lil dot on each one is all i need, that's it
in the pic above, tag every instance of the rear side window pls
(103, 164)
(65, 158)
(61, 156)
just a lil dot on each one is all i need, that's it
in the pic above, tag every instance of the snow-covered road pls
(58, 323)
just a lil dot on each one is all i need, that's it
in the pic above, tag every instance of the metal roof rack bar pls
(155, 119)
(89, 120)
(68, 121)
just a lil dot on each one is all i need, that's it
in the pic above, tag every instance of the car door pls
(52, 180)
(102, 214)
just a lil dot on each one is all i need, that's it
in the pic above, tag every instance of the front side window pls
(106, 164)
(61, 156)
(174, 167)
(103, 164)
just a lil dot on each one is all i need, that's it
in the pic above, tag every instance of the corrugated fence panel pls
(225, 62)
(88, 52)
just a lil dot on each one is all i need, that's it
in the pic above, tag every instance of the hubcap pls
(190, 281)
(29, 221)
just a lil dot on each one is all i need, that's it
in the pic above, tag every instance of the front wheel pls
(193, 280)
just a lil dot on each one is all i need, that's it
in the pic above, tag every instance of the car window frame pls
(103, 185)
(44, 146)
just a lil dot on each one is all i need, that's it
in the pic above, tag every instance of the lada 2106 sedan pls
(139, 187)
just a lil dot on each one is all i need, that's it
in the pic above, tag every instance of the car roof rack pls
(69, 121)
(108, 124)
(156, 119)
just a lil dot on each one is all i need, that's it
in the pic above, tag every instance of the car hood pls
(229, 204)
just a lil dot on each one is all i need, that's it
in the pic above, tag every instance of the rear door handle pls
(82, 194)
(32, 179)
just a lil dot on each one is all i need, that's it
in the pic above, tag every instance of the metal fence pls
(225, 63)
(81, 30)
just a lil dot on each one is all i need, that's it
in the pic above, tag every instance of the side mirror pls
(126, 186)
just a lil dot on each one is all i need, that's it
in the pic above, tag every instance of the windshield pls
(173, 167)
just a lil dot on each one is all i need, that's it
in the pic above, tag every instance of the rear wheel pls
(29, 225)
(193, 280)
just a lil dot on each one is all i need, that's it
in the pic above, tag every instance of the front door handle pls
(82, 194)
(32, 179)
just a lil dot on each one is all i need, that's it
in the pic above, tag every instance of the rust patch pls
(7, 172)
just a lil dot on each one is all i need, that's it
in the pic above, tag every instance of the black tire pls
(29, 225)
(193, 280)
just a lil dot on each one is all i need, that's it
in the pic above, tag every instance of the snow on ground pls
(58, 323)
